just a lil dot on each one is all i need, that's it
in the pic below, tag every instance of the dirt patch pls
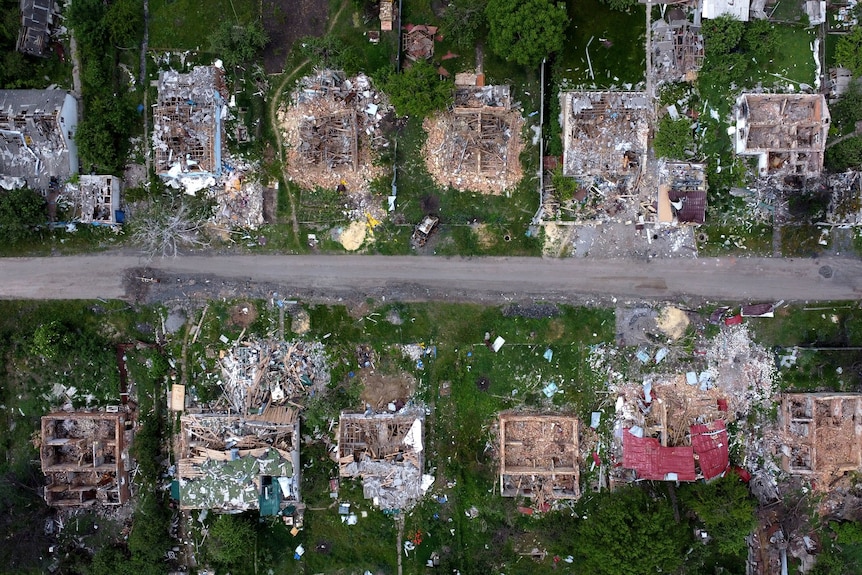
(379, 390)
(243, 314)
(673, 322)
(270, 205)
(285, 21)
(300, 322)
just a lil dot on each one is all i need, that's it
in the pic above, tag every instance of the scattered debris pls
(418, 41)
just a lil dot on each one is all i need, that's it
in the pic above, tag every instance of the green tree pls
(721, 35)
(22, 211)
(232, 540)
(726, 509)
(418, 91)
(842, 550)
(673, 139)
(848, 51)
(630, 532)
(621, 5)
(464, 21)
(525, 31)
(125, 22)
(236, 44)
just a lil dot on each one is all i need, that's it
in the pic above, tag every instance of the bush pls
(673, 139)
(22, 211)
(418, 91)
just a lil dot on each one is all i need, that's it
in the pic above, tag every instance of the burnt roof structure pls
(821, 434)
(539, 457)
(787, 132)
(37, 146)
(682, 193)
(84, 458)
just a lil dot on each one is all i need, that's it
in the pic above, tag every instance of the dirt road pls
(413, 278)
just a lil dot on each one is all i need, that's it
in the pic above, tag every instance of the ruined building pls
(94, 199)
(37, 146)
(232, 463)
(188, 123)
(37, 20)
(605, 136)
(787, 132)
(821, 435)
(386, 450)
(85, 458)
(539, 457)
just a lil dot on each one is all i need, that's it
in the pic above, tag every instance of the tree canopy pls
(726, 509)
(21, 212)
(673, 138)
(232, 542)
(630, 532)
(848, 51)
(236, 44)
(464, 21)
(418, 91)
(525, 31)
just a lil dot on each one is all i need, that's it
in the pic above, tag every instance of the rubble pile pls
(239, 198)
(744, 370)
(332, 132)
(258, 373)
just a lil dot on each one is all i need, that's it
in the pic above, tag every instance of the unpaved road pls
(412, 278)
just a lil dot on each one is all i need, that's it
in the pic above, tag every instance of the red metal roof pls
(733, 320)
(652, 461)
(710, 443)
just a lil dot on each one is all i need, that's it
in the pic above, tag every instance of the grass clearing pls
(730, 240)
(187, 24)
(616, 45)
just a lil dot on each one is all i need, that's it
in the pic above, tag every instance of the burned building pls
(233, 463)
(821, 435)
(605, 136)
(476, 145)
(385, 450)
(672, 430)
(37, 145)
(539, 457)
(85, 459)
(677, 46)
(188, 124)
(37, 21)
(787, 132)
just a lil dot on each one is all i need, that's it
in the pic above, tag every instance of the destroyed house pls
(787, 132)
(187, 123)
(94, 199)
(234, 463)
(674, 430)
(604, 134)
(539, 457)
(386, 451)
(682, 193)
(821, 434)
(37, 18)
(736, 9)
(84, 459)
(37, 146)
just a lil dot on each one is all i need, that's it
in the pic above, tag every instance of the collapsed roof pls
(37, 146)
(386, 450)
(187, 123)
(37, 18)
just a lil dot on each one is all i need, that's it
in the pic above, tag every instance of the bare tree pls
(163, 227)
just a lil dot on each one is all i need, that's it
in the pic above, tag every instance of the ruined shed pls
(188, 122)
(539, 456)
(84, 458)
(385, 450)
(94, 199)
(787, 132)
(682, 193)
(232, 463)
(821, 435)
(37, 20)
(604, 134)
(37, 145)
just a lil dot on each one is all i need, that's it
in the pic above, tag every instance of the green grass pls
(723, 239)
(187, 24)
(623, 61)
(792, 59)
(801, 241)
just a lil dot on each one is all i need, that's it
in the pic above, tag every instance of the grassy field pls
(616, 45)
(187, 24)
